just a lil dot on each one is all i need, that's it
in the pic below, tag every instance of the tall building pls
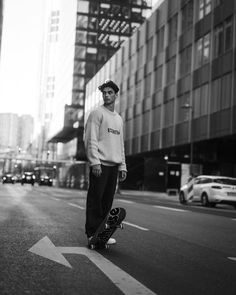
(101, 27)
(8, 131)
(57, 69)
(25, 132)
(16, 131)
(177, 93)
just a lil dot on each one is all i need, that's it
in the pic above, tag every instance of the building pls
(25, 132)
(177, 93)
(8, 131)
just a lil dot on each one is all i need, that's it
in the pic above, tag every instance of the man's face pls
(109, 95)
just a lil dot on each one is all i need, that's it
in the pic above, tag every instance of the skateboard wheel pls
(92, 247)
(107, 226)
(121, 226)
(106, 246)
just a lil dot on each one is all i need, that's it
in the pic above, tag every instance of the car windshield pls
(228, 181)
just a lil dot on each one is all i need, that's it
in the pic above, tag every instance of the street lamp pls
(189, 107)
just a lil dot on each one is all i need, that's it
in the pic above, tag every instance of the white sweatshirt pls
(104, 143)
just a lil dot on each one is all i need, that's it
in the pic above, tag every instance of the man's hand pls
(97, 170)
(122, 175)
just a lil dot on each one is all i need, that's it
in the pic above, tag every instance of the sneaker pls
(111, 241)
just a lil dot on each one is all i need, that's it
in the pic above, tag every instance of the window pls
(185, 61)
(83, 6)
(187, 16)
(223, 37)
(183, 114)
(221, 93)
(200, 101)
(218, 41)
(204, 8)
(149, 49)
(148, 85)
(158, 78)
(173, 26)
(202, 51)
(160, 39)
(170, 73)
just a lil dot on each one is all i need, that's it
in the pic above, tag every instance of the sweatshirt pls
(103, 138)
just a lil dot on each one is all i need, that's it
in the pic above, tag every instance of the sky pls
(20, 56)
(19, 63)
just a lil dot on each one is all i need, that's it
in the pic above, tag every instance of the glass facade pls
(183, 55)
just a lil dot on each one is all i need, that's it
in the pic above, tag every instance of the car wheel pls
(182, 198)
(204, 200)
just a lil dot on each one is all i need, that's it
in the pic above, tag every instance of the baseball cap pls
(109, 83)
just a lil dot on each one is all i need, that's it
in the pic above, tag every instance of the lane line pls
(234, 219)
(56, 199)
(136, 226)
(77, 206)
(232, 258)
(169, 208)
(125, 201)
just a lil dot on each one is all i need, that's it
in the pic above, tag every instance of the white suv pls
(209, 190)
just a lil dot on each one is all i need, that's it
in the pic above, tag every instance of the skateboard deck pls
(107, 228)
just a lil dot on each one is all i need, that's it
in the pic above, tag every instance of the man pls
(104, 145)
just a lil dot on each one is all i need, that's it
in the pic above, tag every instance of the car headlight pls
(33, 176)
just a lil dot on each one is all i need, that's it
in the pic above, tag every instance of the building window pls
(170, 72)
(149, 49)
(187, 16)
(148, 85)
(185, 61)
(182, 114)
(223, 38)
(204, 8)
(158, 78)
(160, 40)
(202, 51)
(173, 26)
(200, 101)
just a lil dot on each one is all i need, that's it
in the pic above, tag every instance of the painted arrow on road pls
(126, 283)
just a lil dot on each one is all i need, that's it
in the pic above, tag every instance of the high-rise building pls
(177, 78)
(16, 131)
(25, 132)
(8, 131)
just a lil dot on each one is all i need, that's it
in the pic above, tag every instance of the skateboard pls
(107, 228)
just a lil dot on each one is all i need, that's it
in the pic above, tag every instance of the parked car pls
(45, 180)
(209, 190)
(28, 177)
(8, 178)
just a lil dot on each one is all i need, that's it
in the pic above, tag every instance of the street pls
(165, 248)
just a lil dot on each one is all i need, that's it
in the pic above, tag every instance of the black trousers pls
(100, 197)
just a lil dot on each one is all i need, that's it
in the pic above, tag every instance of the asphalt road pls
(165, 248)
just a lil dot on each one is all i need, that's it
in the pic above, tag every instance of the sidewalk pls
(137, 193)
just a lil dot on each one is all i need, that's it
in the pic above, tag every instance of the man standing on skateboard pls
(104, 146)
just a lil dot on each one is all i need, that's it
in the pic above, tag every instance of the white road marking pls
(122, 280)
(56, 199)
(169, 208)
(134, 225)
(125, 201)
(77, 206)
(232, 258)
